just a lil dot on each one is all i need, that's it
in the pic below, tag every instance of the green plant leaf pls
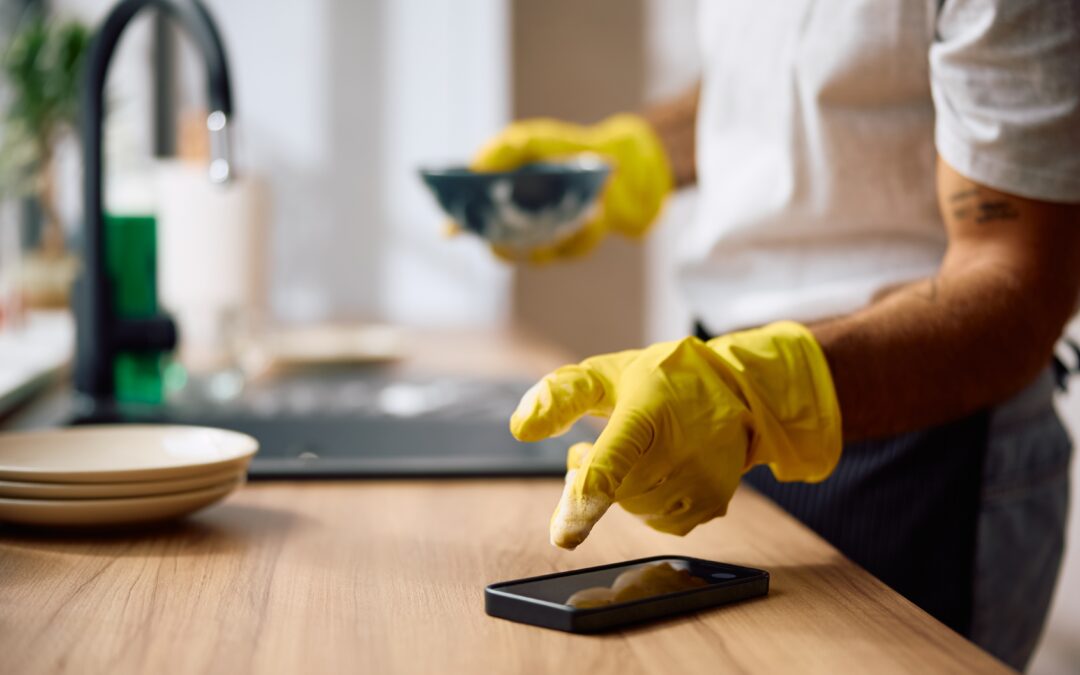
(43, 66)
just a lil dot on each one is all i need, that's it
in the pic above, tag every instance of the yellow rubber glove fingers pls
(628, 435)
(641, 172)
(552, 405)
(782, 372)
(562, 533)
(591, 488)
(574, 518)
(642, 176)
(528, 141)
(576, 455)
(687, 419)
(677, 510)
(536, 140)
(688, 495)
(673, 449)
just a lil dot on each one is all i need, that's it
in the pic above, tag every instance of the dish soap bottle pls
(131, 265)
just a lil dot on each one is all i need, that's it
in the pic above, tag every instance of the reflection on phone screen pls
(637, 583)
(624, 583)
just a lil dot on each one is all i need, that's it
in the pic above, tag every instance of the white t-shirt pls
(817, 133)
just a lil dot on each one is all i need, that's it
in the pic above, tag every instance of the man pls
(888, 245)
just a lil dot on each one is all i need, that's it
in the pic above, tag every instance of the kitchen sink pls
(354, 423)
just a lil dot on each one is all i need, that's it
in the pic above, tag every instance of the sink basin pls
(356, 424)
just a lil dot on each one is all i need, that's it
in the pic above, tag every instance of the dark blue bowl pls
(535, 205)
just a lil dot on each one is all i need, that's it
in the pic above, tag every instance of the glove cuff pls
(632, 203)
(781, 372)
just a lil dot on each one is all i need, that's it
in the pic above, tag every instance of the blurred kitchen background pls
(338, 102)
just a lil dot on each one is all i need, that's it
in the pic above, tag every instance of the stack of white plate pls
(118, 475)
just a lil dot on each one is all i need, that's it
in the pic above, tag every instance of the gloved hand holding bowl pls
(544, 189)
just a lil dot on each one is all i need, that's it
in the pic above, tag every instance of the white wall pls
(447, 92)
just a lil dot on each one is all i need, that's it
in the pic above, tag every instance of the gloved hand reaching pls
(686, 420)
(640, 180)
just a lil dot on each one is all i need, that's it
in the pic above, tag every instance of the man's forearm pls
(933, 351)
(675, 121)
(977, 332)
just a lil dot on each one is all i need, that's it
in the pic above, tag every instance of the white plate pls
(121, 453)
(28, 490)
(105, 512)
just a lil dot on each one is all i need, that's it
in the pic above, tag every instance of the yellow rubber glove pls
(641, 173)
(686, 420)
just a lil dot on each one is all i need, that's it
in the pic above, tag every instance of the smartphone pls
(601, 598)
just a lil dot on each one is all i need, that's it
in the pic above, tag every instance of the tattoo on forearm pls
(966, 204)
(998, 210)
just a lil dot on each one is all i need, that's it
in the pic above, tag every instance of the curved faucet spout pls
(100, 333)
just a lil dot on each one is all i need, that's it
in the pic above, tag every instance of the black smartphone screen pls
(611, 596)
(634, 581)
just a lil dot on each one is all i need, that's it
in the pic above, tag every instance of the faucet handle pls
(217, 123)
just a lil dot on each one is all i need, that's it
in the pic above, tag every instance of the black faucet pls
(100, 334)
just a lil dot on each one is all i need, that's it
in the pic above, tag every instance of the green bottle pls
(131, 264)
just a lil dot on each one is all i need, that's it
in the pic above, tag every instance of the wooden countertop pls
(388, 576)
